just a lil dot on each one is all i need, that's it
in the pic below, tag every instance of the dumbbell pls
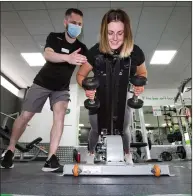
(91, 83)
(134, 102)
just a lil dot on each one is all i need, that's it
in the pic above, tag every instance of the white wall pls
(160, 97)
(41, 124)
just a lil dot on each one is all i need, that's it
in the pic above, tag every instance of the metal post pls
(187, 125)
(181, 129)
(133, 127)
(159, 130)
(7, 118)
(144, 133)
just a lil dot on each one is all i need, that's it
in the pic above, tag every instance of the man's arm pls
(54, 57)
(83, 72)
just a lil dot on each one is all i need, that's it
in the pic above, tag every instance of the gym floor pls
(28, 179)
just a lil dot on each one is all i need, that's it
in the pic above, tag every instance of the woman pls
(115, 36)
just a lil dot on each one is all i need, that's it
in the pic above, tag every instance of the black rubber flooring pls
(28, 179)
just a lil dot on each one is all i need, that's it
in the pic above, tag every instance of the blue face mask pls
(73, 30)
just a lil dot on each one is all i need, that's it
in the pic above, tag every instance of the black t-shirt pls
(137, 57)
(56, 76)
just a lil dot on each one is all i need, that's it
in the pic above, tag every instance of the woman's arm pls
(141, 70)
(83, 72)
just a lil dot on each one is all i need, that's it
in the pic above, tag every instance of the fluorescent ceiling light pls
(10, 87)
(147, 125)
(81, 125)
(163, 57)
(34, 59)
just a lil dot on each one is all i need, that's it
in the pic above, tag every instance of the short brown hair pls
(73, 10)
(116, 15)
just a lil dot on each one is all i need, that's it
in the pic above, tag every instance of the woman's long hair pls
(113, 16)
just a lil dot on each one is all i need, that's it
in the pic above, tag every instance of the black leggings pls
(94, 136)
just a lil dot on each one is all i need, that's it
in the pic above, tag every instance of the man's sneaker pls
(128, 159)
(52, 164)
(7, 160)
(90, 158)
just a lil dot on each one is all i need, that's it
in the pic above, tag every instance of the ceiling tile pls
(37, 22)
(187, 72)
(151, 25)
(28, 5)
(126, 4)
(23, 43)
(91, 32)
(134, 15)
(153, 19)
(61, 4)
(40, 40)
(6, 46)
(6, 6)
(12, 25)
(184, 3)
(159, 3)
(180, 22)
(180, 61)
(94, 4)
(57, 18)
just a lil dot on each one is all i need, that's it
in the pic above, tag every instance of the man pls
(63, 52)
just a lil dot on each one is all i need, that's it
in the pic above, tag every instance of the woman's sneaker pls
(52, 164)
(128, 159)
(90, 158)
(7, 160)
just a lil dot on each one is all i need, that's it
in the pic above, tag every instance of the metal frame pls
(144, 133)
(181, 90)
(114, 164)
(116, 170)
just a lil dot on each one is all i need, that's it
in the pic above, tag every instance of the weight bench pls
(25, 149)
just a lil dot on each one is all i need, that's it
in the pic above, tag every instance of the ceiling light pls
(34, 59)
(147, 125)
(10, 87)
(81, 125)
(163, 57)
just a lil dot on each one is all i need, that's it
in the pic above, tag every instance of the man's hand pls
(76, 59)
(138, 90)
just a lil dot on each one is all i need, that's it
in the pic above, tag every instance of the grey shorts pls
(36, 97)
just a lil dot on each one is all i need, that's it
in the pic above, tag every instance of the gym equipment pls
(176, 136)
(184, 87)
(25, 149)
(7, 117)
(170, 138)
(181, 152)
(91, 83)
(134, 102)
(110, 125)
(166, 156)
